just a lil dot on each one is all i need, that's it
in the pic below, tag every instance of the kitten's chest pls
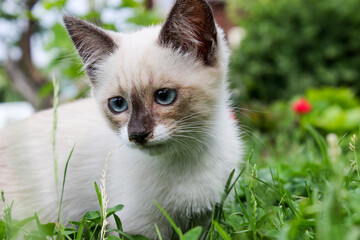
(190, 189)
(181, 188)
(185, 189)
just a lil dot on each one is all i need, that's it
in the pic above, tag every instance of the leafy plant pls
(333, 109)
(291, 45)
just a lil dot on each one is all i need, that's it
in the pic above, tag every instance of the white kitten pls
(164, 113)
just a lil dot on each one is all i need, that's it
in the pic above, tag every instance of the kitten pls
(159, 104)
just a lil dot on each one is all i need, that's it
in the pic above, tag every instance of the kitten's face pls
(150, 90)
(158, 87)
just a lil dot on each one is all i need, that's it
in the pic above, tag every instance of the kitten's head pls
(161, 86)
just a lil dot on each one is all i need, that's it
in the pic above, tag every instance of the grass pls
(292, 186)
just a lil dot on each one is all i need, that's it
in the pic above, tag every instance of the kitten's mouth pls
(150, 147)
(145, 143)
(149, 144)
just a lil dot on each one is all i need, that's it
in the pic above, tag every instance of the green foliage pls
(291, 45)
(2, 229)
(49, 4)
(7, 92)
(333, 109)
(88, 228)
(143, 16)
(299, 193)
(192, 234)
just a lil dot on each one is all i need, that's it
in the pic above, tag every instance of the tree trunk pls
(25, 77)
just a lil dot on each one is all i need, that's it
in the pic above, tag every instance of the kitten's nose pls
(139, 137)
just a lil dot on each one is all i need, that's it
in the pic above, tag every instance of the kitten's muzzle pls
(139, 138)
(141, 123)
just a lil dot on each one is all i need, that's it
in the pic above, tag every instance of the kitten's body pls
(184, 163)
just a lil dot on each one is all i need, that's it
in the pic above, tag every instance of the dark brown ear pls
(190, 27)
(92, 43)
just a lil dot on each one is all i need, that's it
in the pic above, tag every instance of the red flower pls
(301, 106)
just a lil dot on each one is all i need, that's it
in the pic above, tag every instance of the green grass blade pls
(222, 232)
(348, 177)
(308, 191)
(118, 223)
(38, 224)
(98, 193)
(122, 234)
(81, 229)
(342, 138)
(251, 156)
(158, 232)
(53, 132)
(18, 226)
(242, 205)
(94, 232)
(320, 141)
(63, 184)
(227, 192)
(228, 182)
(176, 228)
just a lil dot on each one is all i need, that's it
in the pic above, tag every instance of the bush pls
(291, 45)
(333, 110)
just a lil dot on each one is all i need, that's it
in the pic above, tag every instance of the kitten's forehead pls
(139, 40)
(140, 56)
(131, 64)
(140, 64)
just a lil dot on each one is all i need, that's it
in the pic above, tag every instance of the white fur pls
(185, 185)
(161, 133)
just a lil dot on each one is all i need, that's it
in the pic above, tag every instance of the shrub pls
(291, 45)
(333, 110)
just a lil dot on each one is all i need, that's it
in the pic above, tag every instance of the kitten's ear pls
(190, 27)
(92, 43)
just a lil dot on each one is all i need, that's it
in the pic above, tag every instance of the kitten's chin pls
(153, 149)
(156, 149)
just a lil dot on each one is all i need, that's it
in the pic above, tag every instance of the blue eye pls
(117, 104)
(165, 96)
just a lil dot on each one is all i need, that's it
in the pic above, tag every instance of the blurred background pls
(294, 62)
